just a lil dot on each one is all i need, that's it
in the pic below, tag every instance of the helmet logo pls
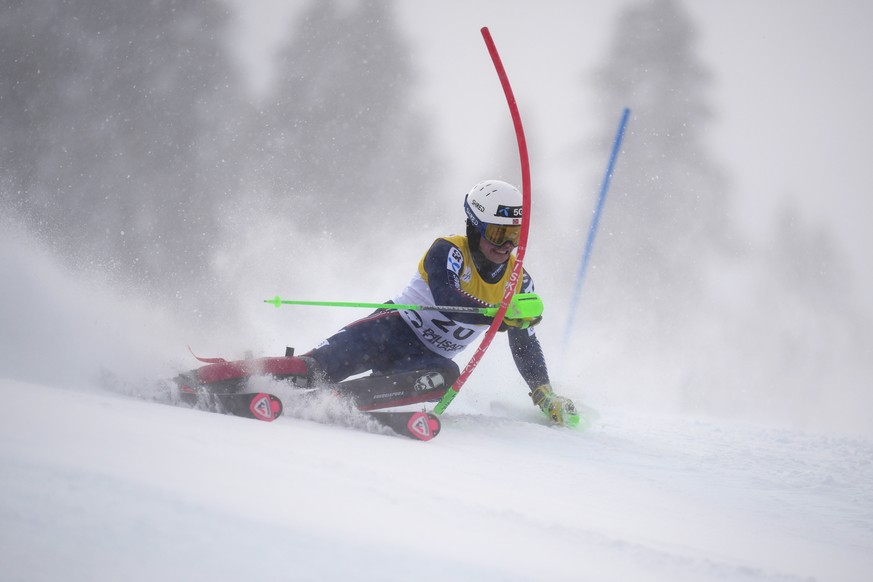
(478, 206)
(508, 211)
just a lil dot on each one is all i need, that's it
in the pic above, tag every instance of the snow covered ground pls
(97, 486)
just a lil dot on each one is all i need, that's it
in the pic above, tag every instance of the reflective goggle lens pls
(499, 234)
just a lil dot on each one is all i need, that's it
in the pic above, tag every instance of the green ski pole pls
(523, 306)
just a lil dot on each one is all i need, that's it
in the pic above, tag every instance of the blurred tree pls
(737, 327)
(806, 295)
(668, 207)
(116, 118)
(343, 145)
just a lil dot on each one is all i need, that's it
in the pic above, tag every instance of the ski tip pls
(206, 360)
(265, 407)
(423, 426)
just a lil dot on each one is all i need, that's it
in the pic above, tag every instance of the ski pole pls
(522, 306)
(592, 230)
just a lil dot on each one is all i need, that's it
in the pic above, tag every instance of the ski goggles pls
(500, 234)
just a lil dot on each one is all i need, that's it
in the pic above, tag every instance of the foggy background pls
(185, 161)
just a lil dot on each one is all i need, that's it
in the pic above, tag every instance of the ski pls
(351, 403)
(330, 405)
(222, 386)
(256, 405)
(419, 425)
(267, 407)
(183, 393)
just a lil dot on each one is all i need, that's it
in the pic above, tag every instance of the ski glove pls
(559, 409)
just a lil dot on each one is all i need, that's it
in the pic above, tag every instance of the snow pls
(99, 486)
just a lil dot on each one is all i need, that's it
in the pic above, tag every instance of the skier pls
(409, 352)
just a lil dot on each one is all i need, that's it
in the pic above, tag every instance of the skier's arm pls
(529, 360)
(528, 356)
(531, 363)
(525, 347)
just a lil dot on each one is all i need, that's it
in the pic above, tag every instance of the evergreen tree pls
(117, 122)
(668, 207)
(769, 325)
(343, 144)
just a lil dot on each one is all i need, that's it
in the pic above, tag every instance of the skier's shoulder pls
(448, 242)
(454, 247)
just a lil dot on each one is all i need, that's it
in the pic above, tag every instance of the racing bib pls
(438, 331)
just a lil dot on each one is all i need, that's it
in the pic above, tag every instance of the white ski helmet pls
(494, 208)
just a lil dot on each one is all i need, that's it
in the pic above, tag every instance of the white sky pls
(791, 90)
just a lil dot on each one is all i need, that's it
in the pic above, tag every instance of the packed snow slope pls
(100, 486)
(96, 486)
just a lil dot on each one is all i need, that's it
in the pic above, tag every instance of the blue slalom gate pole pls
(592, 230)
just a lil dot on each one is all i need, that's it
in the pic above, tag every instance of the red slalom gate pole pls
(515, 276)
